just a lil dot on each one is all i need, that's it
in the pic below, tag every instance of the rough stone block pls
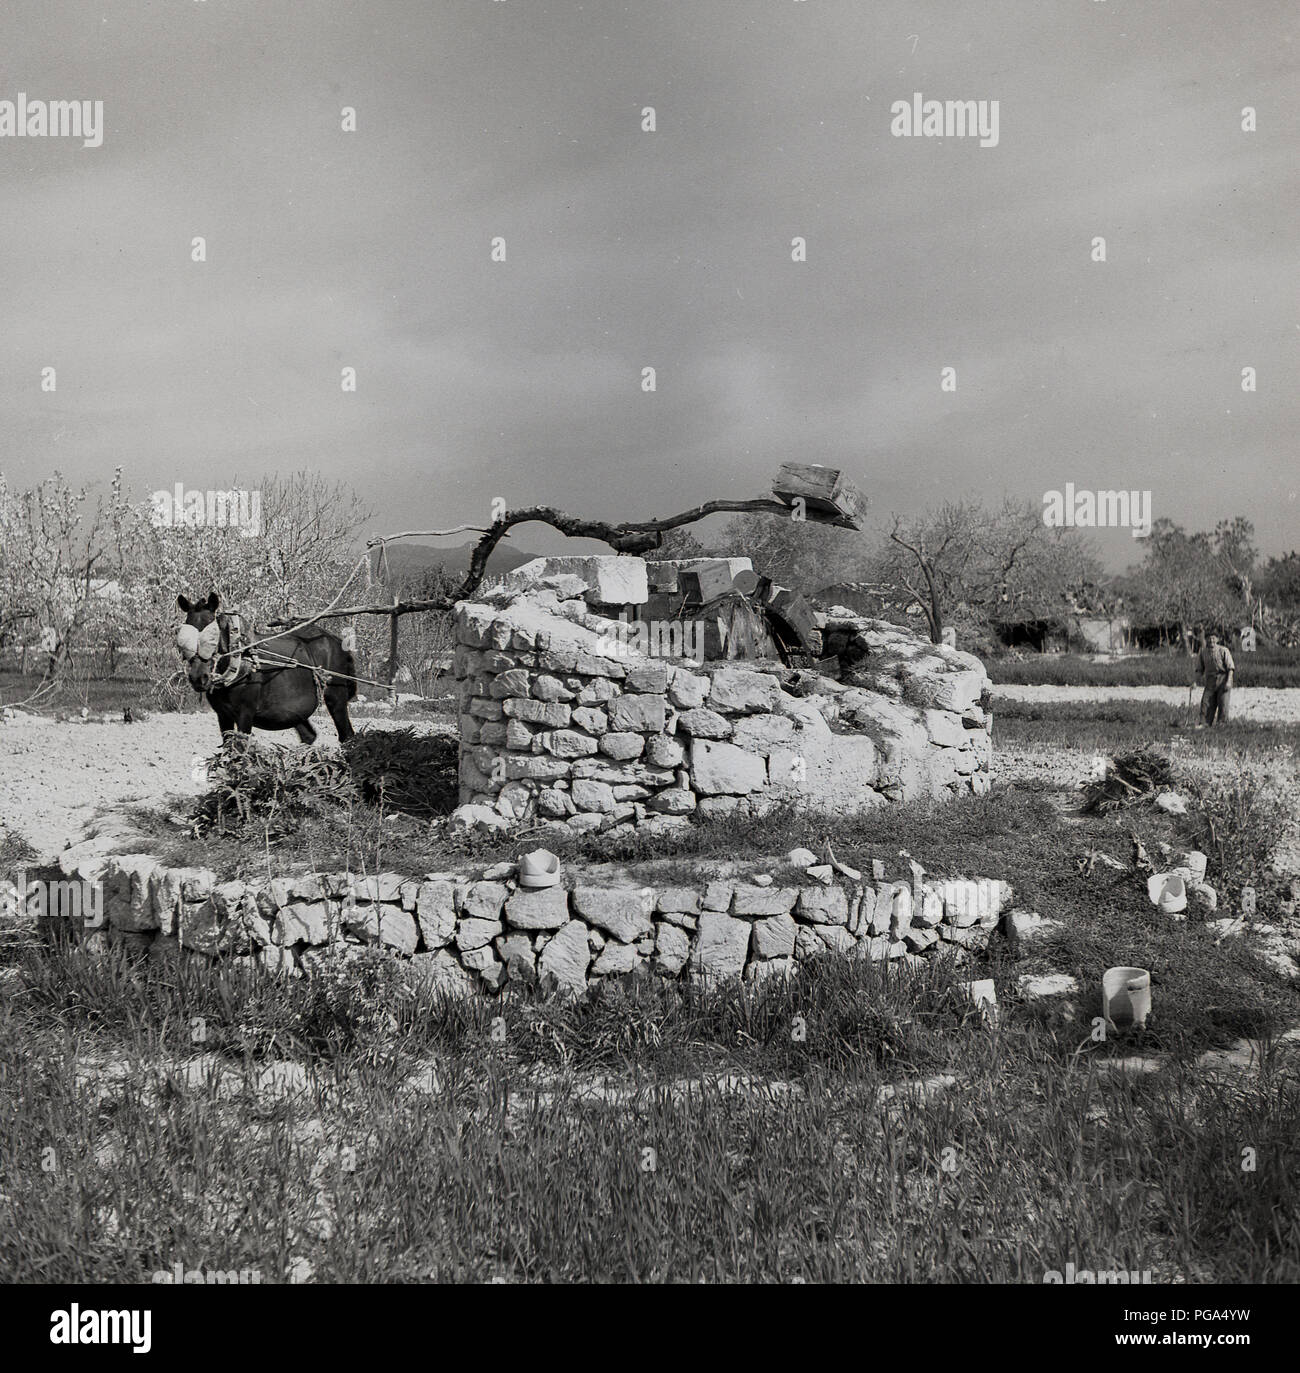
(482, 901)
(515, 682)
(565, 959)
(550, 688)
(764, 901)
(476, 934)
(616, 959)
(623, 912)
(597, 796)
(680, 899)
(672, 949)
(638, 714)
(723, 769)
(763, 733)
(650, 676)
(553, 714)
(301, 923)
(704, 724)
(435, 912)
(823, 905)
(721, 946)
(743, 690)
(774, 936)
(383, 924)
(686, 690)
(567, 743)
(622, 745)
(543, 909)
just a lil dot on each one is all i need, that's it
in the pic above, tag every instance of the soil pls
(59, 779)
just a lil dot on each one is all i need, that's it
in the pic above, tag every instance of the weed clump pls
(1131, 777)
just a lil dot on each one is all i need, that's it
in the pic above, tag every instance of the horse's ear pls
(213, 600)
(184, 603)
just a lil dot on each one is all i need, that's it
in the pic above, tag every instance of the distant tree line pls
(984, 569)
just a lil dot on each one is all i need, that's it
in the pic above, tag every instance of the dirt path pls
(58, 778)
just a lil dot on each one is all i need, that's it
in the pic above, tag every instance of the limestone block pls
(567, 743)
(622, 744)
(774, 936)
(476, 934)
(640, 714)
(665, 752)
(723, 769)
(703, 723)
(616, 959)
(823, 905)
(549, 688)
(743, 690)
(546, 908)
(762, 733)
(721, 946)
(435, 912)
(649, 676)
(680, 899)
(597, 796)
(553, 714)
(384, 924)
(764, 901)
(515, 682)
(686, 690)
(482, 901)
(623, 912)
(565, 959)
(672, 949)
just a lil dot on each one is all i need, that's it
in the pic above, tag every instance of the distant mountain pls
(408, 561)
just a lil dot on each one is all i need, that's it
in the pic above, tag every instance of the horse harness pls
(241, 662)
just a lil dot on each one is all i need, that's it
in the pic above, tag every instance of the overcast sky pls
(672, 249)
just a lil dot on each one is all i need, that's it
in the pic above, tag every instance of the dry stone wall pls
(482, 932)
(565, 720)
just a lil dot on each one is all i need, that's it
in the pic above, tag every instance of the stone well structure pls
(578, 711)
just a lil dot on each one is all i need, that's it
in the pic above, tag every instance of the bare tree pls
(1000, 565)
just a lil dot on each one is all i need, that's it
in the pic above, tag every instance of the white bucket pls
(1168, 890)
(1126, 997)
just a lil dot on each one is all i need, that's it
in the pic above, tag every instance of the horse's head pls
(198, 640)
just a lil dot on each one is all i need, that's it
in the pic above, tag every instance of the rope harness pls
(245, 656)
(206, 643)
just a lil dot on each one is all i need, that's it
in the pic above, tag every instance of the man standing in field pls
(1215, 666)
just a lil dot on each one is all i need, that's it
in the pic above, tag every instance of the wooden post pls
(392, 651)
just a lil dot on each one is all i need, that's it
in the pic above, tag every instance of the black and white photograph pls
(649, 642)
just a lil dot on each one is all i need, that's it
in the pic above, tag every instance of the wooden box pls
(829, 497)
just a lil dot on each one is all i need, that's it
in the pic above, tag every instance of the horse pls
(266, 693)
